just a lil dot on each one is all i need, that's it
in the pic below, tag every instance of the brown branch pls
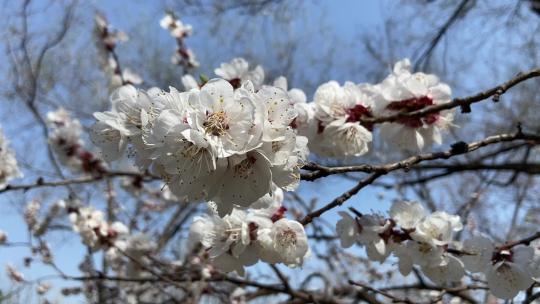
(378, 171)
(303, 295)
(40, 183)
(340, 199)
(526, 242)
(455, 291)
(406, 164)
(393, 298)
(495, 93)
(529, 168)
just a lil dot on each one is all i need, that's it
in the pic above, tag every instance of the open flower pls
(246, 179)
(339, 111)
(237, 72)
(286, 242)
(403, 92)
(8, 163)
(225, 117)
(407, 214)
(175, 26)
(509, 273)
(437, 229)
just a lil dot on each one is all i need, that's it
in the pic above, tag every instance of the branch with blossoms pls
(183, 56)
(240, 145)
(106, 39)
(408, 163)
(40, 182)
(416, 238)
(463, 103)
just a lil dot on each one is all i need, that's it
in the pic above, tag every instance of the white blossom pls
(175, 26)
(43, 288)
(237, 72)
(8, 163)
(245, 236)
(437, 229)
(189, 82)
(407, 214)
(347, 230)
(296, 95)
(403, 91)
(94, 230)
(226, 118)
(210, 143)
(510, 273)
(285, 242)
(339, 111)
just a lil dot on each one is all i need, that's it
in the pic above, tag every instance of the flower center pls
(320, 127)
(502, 255)
(287, 238)
(357, 112)
(236, 82)
(411, 105)
(216, 123)
(252, 226)
(243, 169)
(279, 214)
(276, 146)
(191, 151)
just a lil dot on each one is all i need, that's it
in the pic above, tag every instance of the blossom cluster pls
(246, 236)
(38, 226)
(8, 163)
(106, 39)
(415, 237)
(95, 231)
(66, 143)
(183, 55)
(338, 118)
(214, 143)
(126, 253)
